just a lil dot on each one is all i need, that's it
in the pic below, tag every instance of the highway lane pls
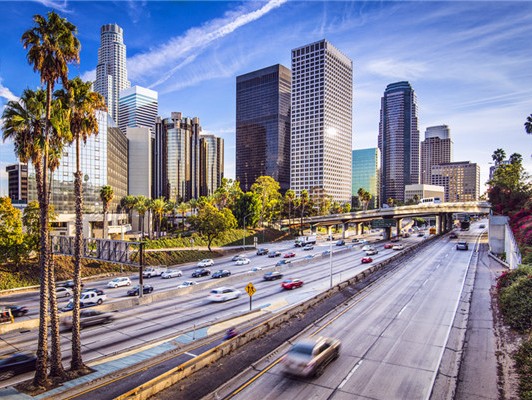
(392, 338)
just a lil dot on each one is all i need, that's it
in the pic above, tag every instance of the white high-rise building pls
(321, 122)
(111, 71)
(437, 148)
(137, 107)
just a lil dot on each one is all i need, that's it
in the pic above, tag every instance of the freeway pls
(393, 336)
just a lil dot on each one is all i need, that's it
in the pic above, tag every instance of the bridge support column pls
(449, 221)
(344, 228)
(387, 233)
(357, 228)
(438, 224)
(398, 228)
(329, 231)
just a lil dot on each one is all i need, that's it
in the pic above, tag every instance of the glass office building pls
(366, 173)
(437, 148)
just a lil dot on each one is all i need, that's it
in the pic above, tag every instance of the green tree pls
(182, 209)
(31, 223)
(159, 207)
(128, 203)
(289, 199)
(247, 208)
(528, 124)
(141, 206)
(303, 205)
(498, 156)
(211, 222)
(107, 195)
(11, 236)
(267, 189)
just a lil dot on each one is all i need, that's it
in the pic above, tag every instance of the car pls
(309, 357)
(18, 311)
(326, 253)
(420, 234)
(398, 247)
(366, 260)
(388, 245)
(309, 257)
(290, 254)
(362, 241)
(290, 284)
(372, 252)
(15, 364)
(395, 239)
(272, 275)
(186, 284)
(367, 247)
(88, 318)
(201, 272)
(329, 238)
(237, 257)
(462, 246)
(255, 269)
(242, 261)
(99, 292)
(308, 247)
(116, 282)
(274, 254)
(134, 291)
(282, 262)
(207, 262)
(482, 226)
(221, 274)
(68, 284)
(262, 251)
(224, 294)
(340, 242)
(171, 273)
(63, 292)
(355, 240)
(453, 235)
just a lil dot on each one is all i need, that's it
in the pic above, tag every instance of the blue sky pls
(470, 62)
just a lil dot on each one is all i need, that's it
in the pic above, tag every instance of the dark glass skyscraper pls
(263, 126)
(398, 140)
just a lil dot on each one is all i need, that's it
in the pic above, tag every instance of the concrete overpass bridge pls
(393, 216)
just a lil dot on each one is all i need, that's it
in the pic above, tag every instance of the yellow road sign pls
(250, 289)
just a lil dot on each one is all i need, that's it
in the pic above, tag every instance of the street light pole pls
(330, 263)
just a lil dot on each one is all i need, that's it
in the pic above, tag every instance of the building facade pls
(212, 164)
(398, 140)
(140, 150)
(263, 126)
(17, 178)
(366, 171)
(461, 180)
(423, 191)
(437, 148)
(111, 71)
(321, 121)
(137, 107)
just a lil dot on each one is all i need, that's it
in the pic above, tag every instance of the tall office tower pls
(366, 173)
(17, 176)
(212, 164)
(398, 141)
(111, 72)
(137, 107)
(104, 161)
(437, 148)
(140, 177)
(321, 121)
(177, 161)
(461, 180)
(263, 126)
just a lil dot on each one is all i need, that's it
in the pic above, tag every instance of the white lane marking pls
(190, 354)
(350, 374)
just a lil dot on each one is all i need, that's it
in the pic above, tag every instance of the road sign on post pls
(250, 289)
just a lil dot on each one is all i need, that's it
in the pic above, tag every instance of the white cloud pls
(397, 69)
(89, 75)
(56, 5)
(6, 93)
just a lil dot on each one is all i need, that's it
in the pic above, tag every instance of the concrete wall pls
(501, 240)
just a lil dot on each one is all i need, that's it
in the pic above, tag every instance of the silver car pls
(309, 357)
(171, 273)
(63, 292)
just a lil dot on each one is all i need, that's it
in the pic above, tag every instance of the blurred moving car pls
(308, 247)
(462, 246)
(134, 291)
(201, 272)
(237, 257)
(207, 262)
(242, 261)
(224, 294)
(290, 284)
(367, 247)
(398, 247)
(326, 253)
(290, 254)
(88, 318)
(282, 262)
(272, 275)
(453, 235)
(255, 269)
(262, 251)
(309, 357)
(186, 284)
(17, 311)
(482, 226)
(420, 234)
(222, 273)
(366, 260)
(273, 254)
(388, 245)
(340, 242)
(63, 292)
(122, 281)
(99, 292)
(15, 364)
(68, 284)
(171, 273)
(372, 251)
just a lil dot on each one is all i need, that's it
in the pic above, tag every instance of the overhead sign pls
(383, 223)
(250, 289)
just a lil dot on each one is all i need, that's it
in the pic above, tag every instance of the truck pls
(153, 271)
(88, 299)
(304, 240)
(464, 225)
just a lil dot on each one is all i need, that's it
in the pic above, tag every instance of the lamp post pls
(330, 264)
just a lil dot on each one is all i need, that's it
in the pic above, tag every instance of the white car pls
(255, 269)
(187, 284)
(398, 247)
(122, 281)
(171, 273)
(242, 261)
(224, 294)
(63, 292)
(207, 262)
(372, 252)
(367, 247)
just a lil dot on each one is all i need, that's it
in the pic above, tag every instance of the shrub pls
(523, 362)
(516, 303)
(509, 277)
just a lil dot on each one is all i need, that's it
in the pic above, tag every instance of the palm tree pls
(528, 124)
(159, 207)
(51, 45)
(290, 196)
(498, 156)
(141, 206)
(193, 203)
(106, 196)
(128, 203)
(83, 103)
(182, 209)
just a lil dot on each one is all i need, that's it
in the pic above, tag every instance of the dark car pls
(18, 311)
(201, 272)
(273, 275)
(15, 364)
(99, 292)
(274, 254)
(221, 273)
(262, 251)
(453, 235)
(68, 284)
(88, 318)
(282, 262)
(340, 242)
(134, 291)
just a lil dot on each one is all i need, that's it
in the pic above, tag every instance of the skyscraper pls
(437, 148)
(111, 72)
(398, 140)
(263, 126)
(321, 121)
(460, 179)
(18, 183)
(212, 164)
(137, 107)
(366, 173)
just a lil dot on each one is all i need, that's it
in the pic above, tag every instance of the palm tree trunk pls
(104, 233)
(56, 366)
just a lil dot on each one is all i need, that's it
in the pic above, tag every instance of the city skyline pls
(468, 67)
